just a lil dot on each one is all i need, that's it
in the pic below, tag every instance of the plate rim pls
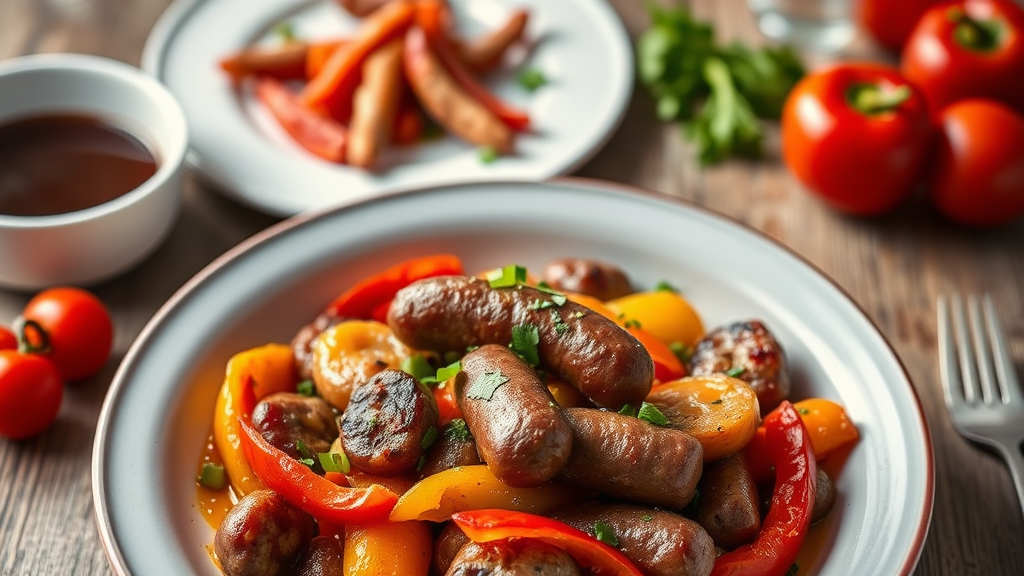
(161, 39)
(97, 475)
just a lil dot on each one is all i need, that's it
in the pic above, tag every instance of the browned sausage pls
(302, 343)
(824, 497)
(728, 507)
(626, 457)
(585, 349)
(601, 280)
(454, 447)
(263, 535)
(286, 420)
(750, 347)
(660, 543)
(518, 426)
(522, 557)
(384, 426)
(324, 557)
(446, 546)
(361, 8)
(485, 53)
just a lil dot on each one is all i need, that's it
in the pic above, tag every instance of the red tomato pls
(857, 135)
(890, 22)
(8, 341)
(968, 49)
(30, 394)
(78, 328)
(979, 166)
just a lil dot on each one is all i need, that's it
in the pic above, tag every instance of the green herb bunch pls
(718, 92)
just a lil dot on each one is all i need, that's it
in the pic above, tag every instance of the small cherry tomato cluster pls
(864, 136)
(63, 334)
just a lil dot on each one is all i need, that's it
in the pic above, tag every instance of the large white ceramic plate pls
(579, 45)
(157, 414)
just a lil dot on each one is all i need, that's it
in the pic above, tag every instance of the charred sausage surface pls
(454, 447)
(729, 507)
(288, 420)
(263, 535)
(601, 280)
(522, 557)
(751, 347)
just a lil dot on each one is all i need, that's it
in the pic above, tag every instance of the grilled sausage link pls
(601, 280)
(628, 458)
(449, 541)
(751, 347)
(729, 507)
(824, 497)
(384, 425)
(518, 426)
(324, 557)
(585, 349)
(263, 535)
(454, 447)
(286, 420)
(305, 338)
(522, 557)
(659, 542)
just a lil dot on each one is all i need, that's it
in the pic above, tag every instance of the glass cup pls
(822, 26)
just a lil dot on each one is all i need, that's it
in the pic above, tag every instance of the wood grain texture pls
(894, 267)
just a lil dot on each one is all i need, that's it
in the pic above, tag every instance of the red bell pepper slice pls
(321, 498)
(430, 17)
(776, 547)
(317, 134)
(595, 556)
(370, 298)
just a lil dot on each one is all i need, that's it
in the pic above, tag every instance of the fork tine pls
(979, 337)
(948, 366)
(1009, 387)
(963, 350)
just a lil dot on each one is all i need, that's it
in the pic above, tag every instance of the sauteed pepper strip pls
(321, 498)
(598, 558)
(249, 376)
(775, 549)
(369, 299)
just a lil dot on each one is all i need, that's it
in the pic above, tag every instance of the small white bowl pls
(90, 245)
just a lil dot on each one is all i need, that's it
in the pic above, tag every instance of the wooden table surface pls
(894, 267)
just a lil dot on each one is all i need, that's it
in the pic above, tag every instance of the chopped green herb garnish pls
(285, 31)
(417, 366)
(307, 454)
(334, 462)
(605, 533)
(627, 410)
(470, 348)
(429, 438)
(793, 570)
(544, 286)
(557, 297)
(524, 343)
(213, 476)
(539, 304)
(664, 286)
(372, 421)
(458, 430)
(508, 277)
(444, 374)
(579, 314)
(682, 351)
(484, 386)
(560, 326)
(734, 372)
(305, 388)
(803, 411)
(719, 401)
(650, 413)
(487, 154)
(421, 462)
(633, 324)
(531, 79)
(647, 517)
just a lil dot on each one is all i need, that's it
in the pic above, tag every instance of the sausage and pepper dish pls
(430, 422)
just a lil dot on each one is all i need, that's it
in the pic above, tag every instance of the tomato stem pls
(872, 99)
(32, 337)
(975, 35)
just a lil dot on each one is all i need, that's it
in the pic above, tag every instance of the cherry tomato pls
(968, 49)
(857, 135)
(77, 326)
(979, 166)
(30, 394)
(8, 341)
(890, 22)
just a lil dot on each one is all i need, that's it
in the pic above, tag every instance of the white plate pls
(581, 47)
(157, 414)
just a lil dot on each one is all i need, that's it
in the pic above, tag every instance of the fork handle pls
(1015, 461)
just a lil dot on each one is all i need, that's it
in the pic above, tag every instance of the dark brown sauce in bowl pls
(60, 163)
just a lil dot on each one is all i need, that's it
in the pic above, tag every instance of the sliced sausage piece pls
(387, 419)
(601, 280)
(521, 557)
(519, 429)
(750, 347)
(824, 497)
(302, 343)
(288, 420)
(628, 458)
(263, 535)
(728, 507)
(324, 557)
(583, 348)
(659, 542)
(454, 447)
(446, 547)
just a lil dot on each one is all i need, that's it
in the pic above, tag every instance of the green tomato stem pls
(975, 35)
(871, 99)
(29, 332)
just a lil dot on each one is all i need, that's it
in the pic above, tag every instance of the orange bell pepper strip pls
(447, 406)
(430, 17)
(318, 496)
(317, 134)
(331, 90)
(399, 548)
(667, 366)
(369, 299)
(318, 55)
(249, 376)
(596, 557)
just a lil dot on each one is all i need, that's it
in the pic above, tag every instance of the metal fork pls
(983, 395)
